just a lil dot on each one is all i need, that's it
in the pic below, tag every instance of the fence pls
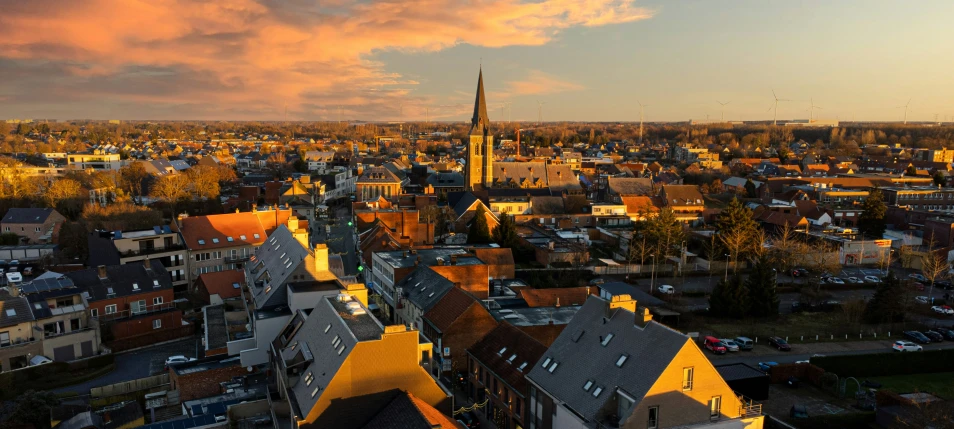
(130, 386)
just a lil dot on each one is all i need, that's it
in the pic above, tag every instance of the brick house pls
(204, 378)
(34, 226)
(133, 303)
(454, 324)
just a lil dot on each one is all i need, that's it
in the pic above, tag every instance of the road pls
(763, 353)
(138, 364)
(341, 239)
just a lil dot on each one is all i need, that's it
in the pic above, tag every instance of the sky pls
(578, 60)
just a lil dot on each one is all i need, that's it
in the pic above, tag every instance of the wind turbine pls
(509, 105)
(811, 114)
(540, 111)
(775, 119)
(641, 106)
(723, 108)
(905, 110)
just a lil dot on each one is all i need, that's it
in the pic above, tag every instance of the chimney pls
(623, 301)
(646, 316)
(453, 260)
(321, 257)
(182, 216)
(102, 272)
(14, 290)
(440, 261)
(292, 223)
(147, 264)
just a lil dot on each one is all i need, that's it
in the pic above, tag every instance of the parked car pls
(799, 272)
(764, 366)
(177, 359)
(905, 346)
(855, 280)
(872, 279)
(666, 289)
(921, 299)
(947, 333)
(597, 281)
(745, 343)
(835, 280)
(28, 271)
(780, 344)
(943, 309)
(730, 344)
(798, 412)
(39, 360)
(714, 345)
(934, 336)
(944, 284)
(469, 421)
(917, 286)
(917, 337)
(918, 277)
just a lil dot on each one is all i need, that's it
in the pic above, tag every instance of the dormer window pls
(229, 239)
(155, 283)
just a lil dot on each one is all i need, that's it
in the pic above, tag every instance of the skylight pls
(588, 385)
(135, 286)
(315, 392)
(283, 256)
(201, 242)
(553, 367)
(336, 341)
(215, 240)
(512, 357)
(37, 306)
(522, 366)
(502, 351)
(327, 328)
(597, 391)
(109, 291)
(546, 362)
(11, 312)
(341, 349)
(242, 236)
(230, 239)
(621, 360)
(607, 339)
(255, 235)
(155, 283)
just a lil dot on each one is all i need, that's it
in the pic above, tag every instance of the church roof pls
(480, 123)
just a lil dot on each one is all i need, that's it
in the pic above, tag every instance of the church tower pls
(480, 147)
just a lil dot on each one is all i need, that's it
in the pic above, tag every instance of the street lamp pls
(726, 268)
(652, 275)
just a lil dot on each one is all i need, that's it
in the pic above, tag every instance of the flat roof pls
(216, 327)
(404, 258)
(363, 326)
(536, 316)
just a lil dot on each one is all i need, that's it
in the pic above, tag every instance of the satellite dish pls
(249, 368)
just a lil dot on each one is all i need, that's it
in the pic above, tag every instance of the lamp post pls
(726, 268)
(652, 275)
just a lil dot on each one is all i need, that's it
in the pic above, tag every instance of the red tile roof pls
(221, 283)
(518, 349)
(454, 303)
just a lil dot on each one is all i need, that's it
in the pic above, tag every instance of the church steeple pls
(480, 123)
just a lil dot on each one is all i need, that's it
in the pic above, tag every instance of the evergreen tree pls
(729, 299)
(750, 190)
(761, 288)
(939, 178)
(737, 230)
(506, 233)
(479, 232)
(871, 221)
(887, 304)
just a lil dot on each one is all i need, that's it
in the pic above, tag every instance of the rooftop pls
(216, 327)
(536, 316)
(363, 326)
(404, 259)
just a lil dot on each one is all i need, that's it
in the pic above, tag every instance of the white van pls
(14, 278)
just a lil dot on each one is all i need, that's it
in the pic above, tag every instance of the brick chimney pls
(102, 272)
(147, 264)
(404, 223)
(321, 257)
(623, 301)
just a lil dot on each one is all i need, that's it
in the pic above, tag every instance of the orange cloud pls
(540, 83)
(239, 58)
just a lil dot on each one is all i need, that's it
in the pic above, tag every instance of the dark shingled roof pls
(424, 287)
(406, 411)
(13, 310)
(738, 371)
(519, 350)
(454, 303)
(580, 356)
(120, 278)
(27, 215)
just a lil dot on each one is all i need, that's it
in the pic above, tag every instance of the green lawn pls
(940, 384)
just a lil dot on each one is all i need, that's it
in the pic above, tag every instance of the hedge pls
(881, 364)
(848, 420)
(53, 375)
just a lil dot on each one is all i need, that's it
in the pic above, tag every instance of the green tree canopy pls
(887, 304)
(750, 190)
(738, 234)
(33, 408)
(871, 222)
(729, 299)
(505, 234)
(761, 286)
(479, 232)
(939, 178)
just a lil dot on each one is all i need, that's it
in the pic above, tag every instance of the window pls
(597, 391)
(255, 235)
(606, 339)
(512, 357)
(313, 392)
(11, 312)
(215, 240)
(4, 339)
(94, 312)
(155, 283)
(110, 291)
(336, 341)
(546, 362)
(341, 349)
(553, 367)
(111, 309)
(502, 351)
(715, 407)
(156, 324)
(327, 328)
(201, 242)
(621, 361)
(653, 422)
(136, 306)
(687, 378)
(309, 378)
(242, 236)
(157, 300)
(588, 385)
(230, 239)
(522, 366)
(624, 405)
(135, 286)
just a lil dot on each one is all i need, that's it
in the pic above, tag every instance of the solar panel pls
(197, 410)
(156, 229)
(166, 229)
(117, 234)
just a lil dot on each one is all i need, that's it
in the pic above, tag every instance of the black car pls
(934, 336)
(799, 272)
(917, 337)
(944, 284)
(948, 334)
(468, 420)
(779, 344)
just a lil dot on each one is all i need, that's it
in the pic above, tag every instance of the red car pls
(714, 345)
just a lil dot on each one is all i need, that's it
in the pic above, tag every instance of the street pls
(764, 353)
(341, 239)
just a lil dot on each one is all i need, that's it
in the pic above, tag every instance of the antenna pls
(723, 108)
(811, 114)
(905, 110)
(775, 118)
(641, 106)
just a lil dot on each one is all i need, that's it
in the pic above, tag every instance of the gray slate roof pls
(27, 215)
(650, 349)
(120, 279)
(271, 258)
(424, 287)
(14, 310)
(449, 179)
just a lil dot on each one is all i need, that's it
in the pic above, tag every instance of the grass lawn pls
(940, 384)
(790, 325)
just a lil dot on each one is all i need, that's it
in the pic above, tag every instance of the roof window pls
(201, 242)
(327, 328)
(502, 351)
(11, 312)
(597, 391)
(512, 357)
(315, 392)
(135, 286)
(588, 385)
(37, 305)
(606, 339)
(546, 362)
(341, 349)
(621, 360)
(336, 341)
(110, 291)
(522, 366)
(553, 367)
(242, 236)
(310, 377)
(215, 240)
(155, 283)
(256, 236)
(229, 239)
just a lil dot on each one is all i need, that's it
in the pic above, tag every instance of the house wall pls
(29, 230)
(266, 330)
(469, 328)
(202, 384)
(472, 278)
(678, 407)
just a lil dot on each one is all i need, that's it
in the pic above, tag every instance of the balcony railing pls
(237, 258)
(154, 250)
(149, 309)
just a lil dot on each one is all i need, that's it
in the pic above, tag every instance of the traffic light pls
(349, 223)
(360, 268)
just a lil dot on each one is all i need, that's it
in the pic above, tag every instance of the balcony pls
(237, 258)
(153, 250)
(150, 309)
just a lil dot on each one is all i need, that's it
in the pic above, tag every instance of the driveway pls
(138, 364)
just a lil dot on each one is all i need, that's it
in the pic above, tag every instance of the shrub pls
(880, 364)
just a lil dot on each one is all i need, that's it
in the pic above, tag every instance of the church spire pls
(480, 123)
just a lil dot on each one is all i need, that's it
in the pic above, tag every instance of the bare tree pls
(934, 266)
(171, 189)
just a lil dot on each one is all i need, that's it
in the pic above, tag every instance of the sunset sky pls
(588, 60)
